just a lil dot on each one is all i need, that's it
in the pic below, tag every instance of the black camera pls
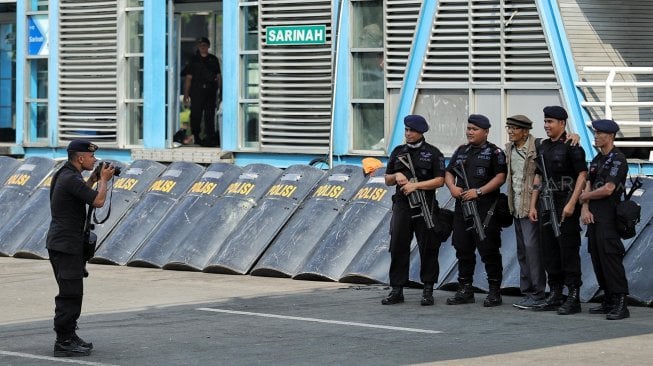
(116, 169)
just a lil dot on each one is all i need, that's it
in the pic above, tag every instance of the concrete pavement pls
(143, 316)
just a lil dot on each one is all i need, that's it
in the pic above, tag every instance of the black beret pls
(416, 122)
(204, 40)
(605, 125)
(82, 146)
(521, 121)
(479, 120)
(556, 112)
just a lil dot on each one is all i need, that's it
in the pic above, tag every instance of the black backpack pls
(628, 212)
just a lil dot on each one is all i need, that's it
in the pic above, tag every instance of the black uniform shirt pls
(428, 163)
(69, 196)
(204, 71)
(482, 163)
(563, 163)
(610, 168)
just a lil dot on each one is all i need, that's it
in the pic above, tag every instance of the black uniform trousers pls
(202, 107)
(562, 254)
(607, 253)
(402, 227)
(68, 272)
(466, 242)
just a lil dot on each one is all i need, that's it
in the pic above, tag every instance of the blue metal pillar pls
(154, 74)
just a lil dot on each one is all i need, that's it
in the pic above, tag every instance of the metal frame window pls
(367, 76)
(249, 98)
(131, 92)
(36, 85)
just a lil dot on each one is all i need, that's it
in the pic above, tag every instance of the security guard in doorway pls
(606, 182)
(485, 166)
(69, 195)
(567, 171)
(428, 163)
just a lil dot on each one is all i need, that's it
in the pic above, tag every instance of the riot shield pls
(184, 220)
(33, 214)
(349, 232)
(124, 191)
(7, 167)
(372, 262)
(225, 217)
(243, 247)
(638, 264)
(300, 235)
(134, 228)
(20, 185)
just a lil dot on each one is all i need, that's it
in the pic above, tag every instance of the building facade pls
(310, 79)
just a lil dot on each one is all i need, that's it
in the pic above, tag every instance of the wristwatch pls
(479, 192)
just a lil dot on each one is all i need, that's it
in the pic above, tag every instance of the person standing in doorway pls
(202, 84)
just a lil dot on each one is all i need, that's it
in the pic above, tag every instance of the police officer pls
(606, 181)
(69, 195)
(567, 171)
(485, 167)
(202, 82)
(428, 163)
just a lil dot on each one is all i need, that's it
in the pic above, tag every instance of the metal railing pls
(608, 104)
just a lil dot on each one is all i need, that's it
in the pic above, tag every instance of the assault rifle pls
(546, 199)
(470, 211)
(418, 197)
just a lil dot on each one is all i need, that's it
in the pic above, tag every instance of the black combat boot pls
(606, 305)
(572, 304)
(554, 300)
(427, 294)
(619, 309)
(494, 296)
(395, 296)
(464, 295)
(82, 342)
(70, 348)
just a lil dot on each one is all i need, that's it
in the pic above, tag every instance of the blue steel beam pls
(563, 61)
(413, 70)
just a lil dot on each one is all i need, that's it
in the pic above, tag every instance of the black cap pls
(416, 122)
(555, 112)
(605, 125)
(82, 146)
(479, 120)
(204, 40)
(519, 120)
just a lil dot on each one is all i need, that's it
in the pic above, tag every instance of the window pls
(7, 78)
(249, 75)
(367, 81)
(133, 80)
(36, 71)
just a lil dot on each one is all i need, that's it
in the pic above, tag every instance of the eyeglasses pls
(513, 128)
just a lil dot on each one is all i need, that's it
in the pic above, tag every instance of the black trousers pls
(607, 253)
(202, 108)
(402, 228)
(466, 242)
(562, 254)
(69, 273)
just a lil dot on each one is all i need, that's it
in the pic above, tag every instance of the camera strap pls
(108, 209)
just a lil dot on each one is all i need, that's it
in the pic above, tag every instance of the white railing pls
(608, 104)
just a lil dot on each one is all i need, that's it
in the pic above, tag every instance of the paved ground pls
(139, 316)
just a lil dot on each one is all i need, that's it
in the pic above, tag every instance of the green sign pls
(294, 35)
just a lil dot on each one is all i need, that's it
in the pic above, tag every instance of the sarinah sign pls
(296, 35)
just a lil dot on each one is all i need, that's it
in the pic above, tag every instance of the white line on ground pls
(53, 359)
(264, 315)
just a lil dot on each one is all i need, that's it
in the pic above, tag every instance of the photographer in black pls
(69, 195)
